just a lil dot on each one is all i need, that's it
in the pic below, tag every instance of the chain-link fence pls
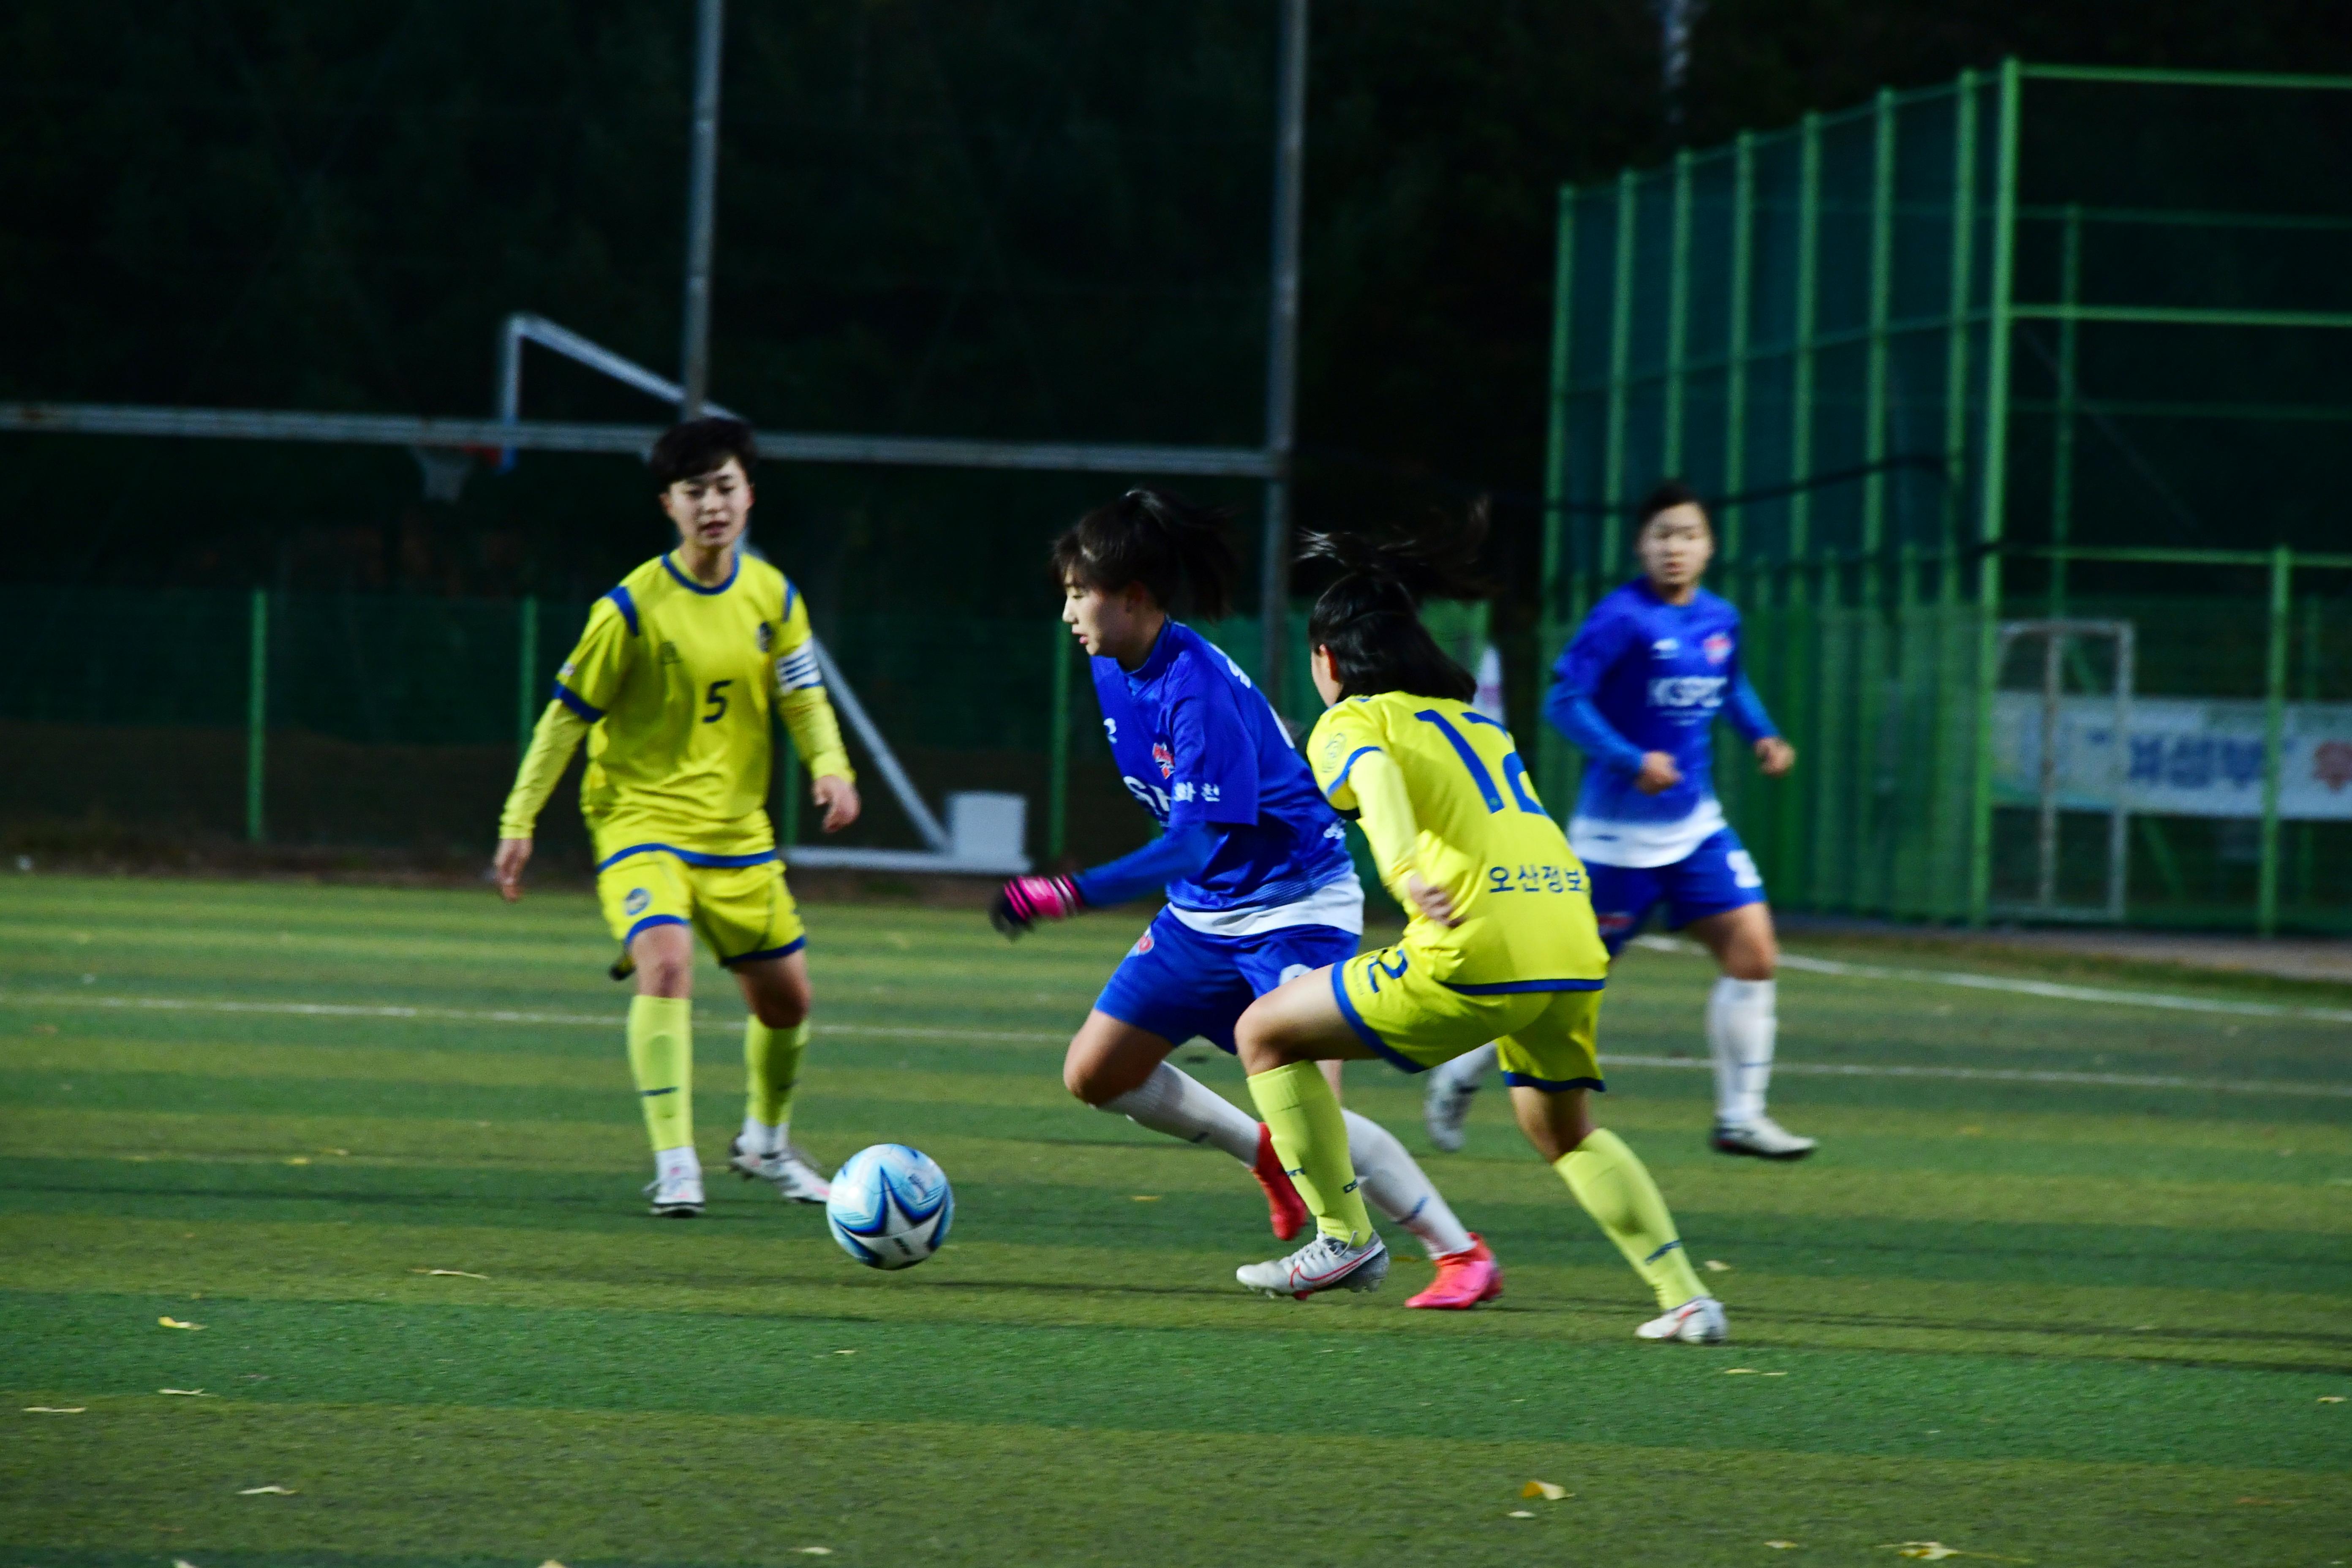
(2042, 344)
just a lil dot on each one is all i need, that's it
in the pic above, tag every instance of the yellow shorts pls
(1546, 1037)
(741, 911)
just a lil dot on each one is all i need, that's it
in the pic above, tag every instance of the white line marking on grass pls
(478, 1015)
(2045, 988)
(919, 1032)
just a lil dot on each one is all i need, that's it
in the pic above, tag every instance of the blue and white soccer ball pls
(891, 1206)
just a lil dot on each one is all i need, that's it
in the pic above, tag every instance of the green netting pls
(2042, 343)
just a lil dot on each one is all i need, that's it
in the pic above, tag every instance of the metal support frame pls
(1677, 315)
(2061, 434)
(701, 211)
(2266, 898)
(2055, 633)
(1621, 348)
(1992, 497)
(1552, 759)
(1282, 344)
(256, 713)
(1735, 373)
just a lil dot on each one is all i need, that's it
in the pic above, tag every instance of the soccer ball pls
(891, 1206)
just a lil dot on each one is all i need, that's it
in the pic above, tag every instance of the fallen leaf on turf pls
(267, 1491)
(2331, 1399)
(1544, 1490)
(334, 1150)
(452, 1273)
(1933, 1551)
(299, 1160)
(1520, 1513)
(182, 1562)
(1145, 1198)
(814, 1551)
(54, 1409)
(1716, 1265)
(189, 1392)
(1781, 1545)
(176, 1323)
(844, 1352)
(1740, 1372)
(1771, 1374)
(551, 1562)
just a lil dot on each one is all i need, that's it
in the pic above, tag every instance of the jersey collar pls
(691, 586)
(1155, 664)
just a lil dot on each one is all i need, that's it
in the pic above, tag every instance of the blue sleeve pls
(1570, 707)
(1177, 854)
(1216, 758)
(1746, 710)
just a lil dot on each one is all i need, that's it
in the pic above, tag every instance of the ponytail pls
(1371, 617)
(1158, 539)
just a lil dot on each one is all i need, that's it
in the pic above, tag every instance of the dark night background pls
(1005, 219)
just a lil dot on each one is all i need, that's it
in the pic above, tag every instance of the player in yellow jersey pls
(676, 683)
(1501, 943)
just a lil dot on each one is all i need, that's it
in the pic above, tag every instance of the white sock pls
(1465, 1073)
(1179, 1105)
(759, 1138)
(678, 1164)
(1392, 1184)
(1740, 1026)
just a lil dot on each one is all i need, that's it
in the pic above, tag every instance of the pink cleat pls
(1464, 1279)
(1285, 1211)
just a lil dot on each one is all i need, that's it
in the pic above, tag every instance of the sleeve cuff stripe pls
(565, 695)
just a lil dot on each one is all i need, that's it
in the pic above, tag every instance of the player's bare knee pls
(666, 976)
(1083, 1075)
(781, 1012)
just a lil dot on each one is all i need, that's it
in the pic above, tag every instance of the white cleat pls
(1764, 1138)
(676, 1198)
(1698, 1322)
(789, 1170)
(1325, 1263)
(1445, 1107)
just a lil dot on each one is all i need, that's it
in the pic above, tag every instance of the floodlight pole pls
(702, 209)
(1282, 342)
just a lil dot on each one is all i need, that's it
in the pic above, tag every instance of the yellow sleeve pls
(589, 681)
(801, 699)
(1384, 811)
(552, 742)
(1345, 732)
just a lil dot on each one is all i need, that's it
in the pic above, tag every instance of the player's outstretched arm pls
(1177, 854)
(552, 742)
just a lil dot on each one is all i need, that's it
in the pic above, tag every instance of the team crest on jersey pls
(1164, 757)
(1717, 647)
(1142, 945)
(767, 636)
(1665, 648)
(635, 904)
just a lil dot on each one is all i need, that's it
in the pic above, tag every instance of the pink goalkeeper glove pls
(1024, 900)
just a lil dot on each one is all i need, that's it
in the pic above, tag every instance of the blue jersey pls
(1640, 675)
(1199, 747)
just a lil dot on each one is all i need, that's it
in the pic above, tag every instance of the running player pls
(1253, 864)
(675, 683)
(1501, 943)
(1639, 690)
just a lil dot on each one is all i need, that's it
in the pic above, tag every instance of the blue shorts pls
(1176, 983)
(1716, 876)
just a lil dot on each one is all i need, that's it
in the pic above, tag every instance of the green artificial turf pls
(2042, 1321)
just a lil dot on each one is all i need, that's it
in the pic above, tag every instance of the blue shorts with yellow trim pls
(738, 903)
(1545, 1030)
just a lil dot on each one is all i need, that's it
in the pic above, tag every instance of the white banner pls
(2187, 757)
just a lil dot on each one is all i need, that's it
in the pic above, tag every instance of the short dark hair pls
(1670, 494)
(1156, 538)
(693, 448)
(1371, 617)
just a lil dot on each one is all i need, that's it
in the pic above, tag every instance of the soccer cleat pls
(790, 1171)
(1464, 1279)
(1284, 1211)
(1764, 1138)
(1698, 1322)
(1445, 1107)
(1325, 1263)
(676, 1198)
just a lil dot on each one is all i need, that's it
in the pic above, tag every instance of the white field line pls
(915, 1032)
(2164, 999)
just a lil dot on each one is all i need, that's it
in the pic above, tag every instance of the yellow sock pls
(661, 1058)
(1311, 1136)
(1614, 1186)
(772, 1065)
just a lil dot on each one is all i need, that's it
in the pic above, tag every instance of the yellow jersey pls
(680, 684)
(1523, 903)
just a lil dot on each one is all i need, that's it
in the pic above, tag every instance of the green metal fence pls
(389, 721)
(2044, 341)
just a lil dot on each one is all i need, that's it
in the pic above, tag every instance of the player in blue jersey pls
(1252, 861)
(1639, 689)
